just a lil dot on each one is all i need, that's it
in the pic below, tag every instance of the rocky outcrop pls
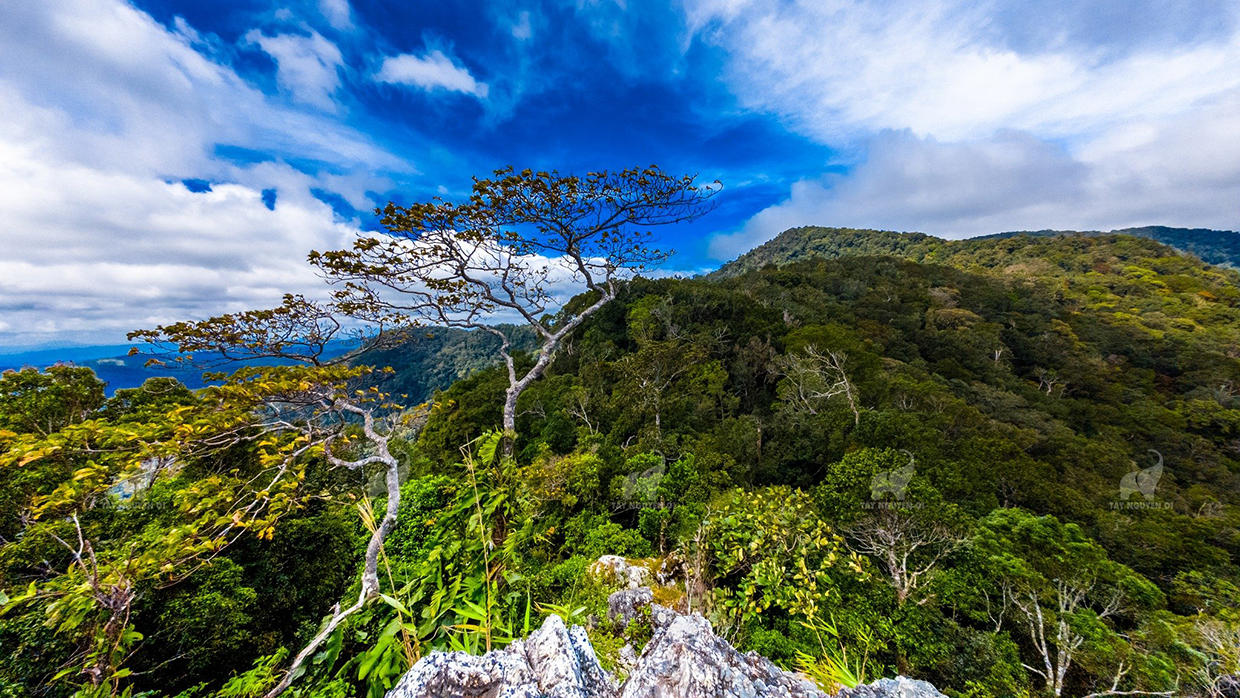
(686, 658)
(683, 659)
(899, 687)
(621, 570)
(553, 662)
(627, 605)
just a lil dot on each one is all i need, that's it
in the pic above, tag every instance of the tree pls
(515, 247)
(1064, 588)
(775, 551)
(908, 545)
(41, 402)
(318, 404)
(85, 550)
(813, 377)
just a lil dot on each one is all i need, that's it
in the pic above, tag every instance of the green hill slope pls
(1022, 377)
(1212, 246)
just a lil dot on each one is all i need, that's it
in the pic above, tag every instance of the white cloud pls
(1182, 172)
(433, 71)
(337, 13)
(306, 66)
(832, 67)
(99, 253)
(957, 118)
(99, 235)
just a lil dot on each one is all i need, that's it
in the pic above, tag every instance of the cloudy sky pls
(167, 159)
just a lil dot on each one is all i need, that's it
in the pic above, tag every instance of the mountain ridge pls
(1217, 247)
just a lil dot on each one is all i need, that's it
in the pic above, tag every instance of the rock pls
(621, 570)
(565, 663)
(899, 687)
(671, 569)
(683, 659)
(625, 605)
(686, 659)
(661, 616)
(501, 674)
(628, 658)
(553, 662)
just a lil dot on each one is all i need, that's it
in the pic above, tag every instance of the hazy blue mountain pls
(428, 359)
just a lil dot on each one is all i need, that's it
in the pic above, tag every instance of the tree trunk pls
(510, 419)
(370, 573)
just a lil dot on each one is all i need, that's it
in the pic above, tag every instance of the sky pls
(164, 160)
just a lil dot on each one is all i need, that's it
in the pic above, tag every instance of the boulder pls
(899, 687)
(553, 662)
(627, 604)
(683, 659)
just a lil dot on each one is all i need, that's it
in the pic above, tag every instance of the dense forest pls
(1007, 466)
(1219, 247)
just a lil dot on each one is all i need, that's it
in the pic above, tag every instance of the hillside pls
(920, 457)
(1023, 378)
(1211, 246)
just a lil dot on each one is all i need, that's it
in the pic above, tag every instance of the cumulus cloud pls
(962, 118)
(1179, 172)
(911, 183)
(100, 236)
(433, 71)
(306, 66)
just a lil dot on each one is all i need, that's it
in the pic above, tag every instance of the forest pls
(1008, 466)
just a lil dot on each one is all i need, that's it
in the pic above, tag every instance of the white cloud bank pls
(953, 119)
(99, 235)
(434, 71)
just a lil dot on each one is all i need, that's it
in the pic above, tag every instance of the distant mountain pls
(429, 359)
(110, 362)
(1218, 247)
(433, 358)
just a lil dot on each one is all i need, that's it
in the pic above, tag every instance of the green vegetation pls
(909, 457)
(1219, 247)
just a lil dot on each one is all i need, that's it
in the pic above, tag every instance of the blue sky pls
(162, 160)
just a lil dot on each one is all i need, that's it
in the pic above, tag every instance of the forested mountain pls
(1009, 466)
(428, 359)
(1219, 247)
(1211, 246)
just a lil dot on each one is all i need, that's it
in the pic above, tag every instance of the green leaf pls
(400, 607)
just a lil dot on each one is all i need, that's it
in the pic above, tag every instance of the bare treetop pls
(503, 249)
(298, 329)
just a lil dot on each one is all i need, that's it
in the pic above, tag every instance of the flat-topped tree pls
(317, 400)
(520, 245)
